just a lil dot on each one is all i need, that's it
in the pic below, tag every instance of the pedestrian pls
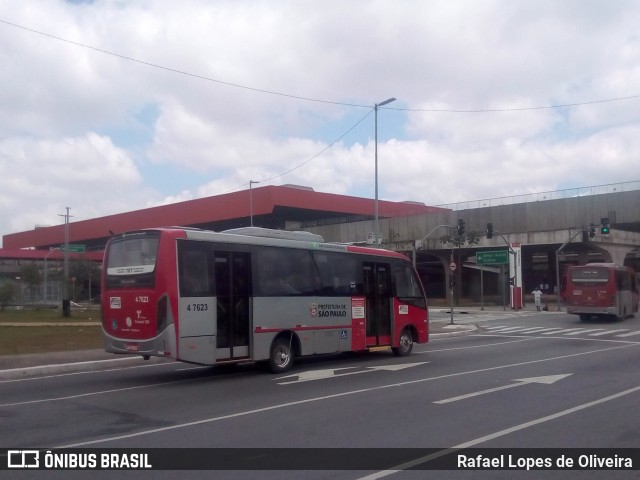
(537, 297)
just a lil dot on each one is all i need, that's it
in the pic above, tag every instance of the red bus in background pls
(601, 289)
(255, 295)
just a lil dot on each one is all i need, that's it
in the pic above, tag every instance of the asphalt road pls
(522, 380)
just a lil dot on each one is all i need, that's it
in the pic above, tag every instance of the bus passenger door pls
(233, 311)
(377, 290)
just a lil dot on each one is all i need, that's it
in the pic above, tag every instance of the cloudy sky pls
(108, 106)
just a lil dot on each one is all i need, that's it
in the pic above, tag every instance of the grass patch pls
(19, 340)
(49, 315)
(43, 339)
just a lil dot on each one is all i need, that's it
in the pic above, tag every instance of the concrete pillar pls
(617, 253)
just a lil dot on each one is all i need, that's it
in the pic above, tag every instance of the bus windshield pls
(131, 261)
(590, 276)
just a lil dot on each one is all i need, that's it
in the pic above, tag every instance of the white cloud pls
(40, 177)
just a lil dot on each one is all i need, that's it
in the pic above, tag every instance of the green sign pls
(494, 257)
(73, 248)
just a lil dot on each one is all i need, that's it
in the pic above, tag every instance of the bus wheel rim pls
(282, 356)
(405, 341)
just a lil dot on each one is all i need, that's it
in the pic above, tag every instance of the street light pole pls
(419, 243)
(251, 182)
(377, 105)
(66, 305)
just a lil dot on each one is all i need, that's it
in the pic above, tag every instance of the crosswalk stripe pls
(598, 332)
(537, 329)
(607, 332)
(585, 331)
(630, 334)
(566, 330)
(511, 329)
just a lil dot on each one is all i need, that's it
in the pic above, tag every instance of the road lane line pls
(99, 392)
(498, 434)
(269, 408)
(85, 372)
(519, 339)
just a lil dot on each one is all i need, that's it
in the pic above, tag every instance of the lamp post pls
(376, 106)
(66, 305)
(251, 182)
(19, 279)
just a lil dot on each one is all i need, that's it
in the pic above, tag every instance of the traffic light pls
(592, 230)
(489, 230)
(604, 226)
(460, 228)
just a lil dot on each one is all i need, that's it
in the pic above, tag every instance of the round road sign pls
(452, 266)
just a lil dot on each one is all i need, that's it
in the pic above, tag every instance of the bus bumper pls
(582, 310)
(161, 346)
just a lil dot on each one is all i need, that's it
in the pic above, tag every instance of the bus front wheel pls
(405, 344)
(281, 355)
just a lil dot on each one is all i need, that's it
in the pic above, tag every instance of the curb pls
(73, 367)
(456, 331)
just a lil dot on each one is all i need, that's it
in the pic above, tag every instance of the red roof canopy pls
(215, 209)
(24, 254)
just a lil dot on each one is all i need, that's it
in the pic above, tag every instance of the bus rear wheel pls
(405, 344)
(281, 355)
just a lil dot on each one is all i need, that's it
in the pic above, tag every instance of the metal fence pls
(543, 196)
(49, 294)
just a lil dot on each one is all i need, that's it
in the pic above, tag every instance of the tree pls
(86, 273)
(7, 293)
(30, 275)
(451, 241)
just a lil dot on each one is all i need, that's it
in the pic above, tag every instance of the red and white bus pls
(255, 295)
(602, 289)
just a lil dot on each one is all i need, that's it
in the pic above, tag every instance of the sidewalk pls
(24, 366)
(27, 365)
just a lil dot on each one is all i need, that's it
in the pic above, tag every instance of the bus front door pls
(377, 290)
(233, 312)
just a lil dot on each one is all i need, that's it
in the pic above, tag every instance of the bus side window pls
(337, 273)
(194, 277)
(285, 272)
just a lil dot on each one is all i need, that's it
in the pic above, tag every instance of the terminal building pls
(286, 207)
(532, 238)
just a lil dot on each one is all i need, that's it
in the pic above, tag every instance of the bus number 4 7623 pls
(198, 307)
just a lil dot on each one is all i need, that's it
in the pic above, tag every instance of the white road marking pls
(630, 334)
(329, 397)
(579, 332)
(547, 380)
(607, 332)
(500, 433)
